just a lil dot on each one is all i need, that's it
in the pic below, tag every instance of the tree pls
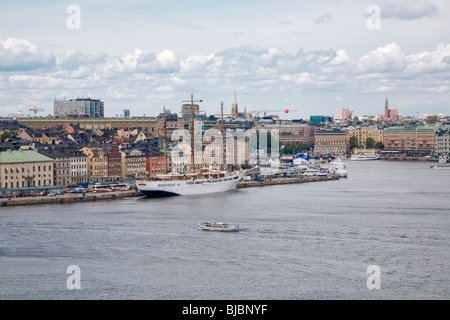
(370, 143)
(379, 145)
(432, 119)
(8, 133)
(353, 142)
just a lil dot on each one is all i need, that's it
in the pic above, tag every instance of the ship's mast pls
(223, 135)
(165, 142)
(192, 131)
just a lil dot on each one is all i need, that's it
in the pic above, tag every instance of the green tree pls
(8, 133)
(432, 119)
(292, 148)
(353, 142)
(379, 145)
(370, 143)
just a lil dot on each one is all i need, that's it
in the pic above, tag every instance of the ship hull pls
(189, 187)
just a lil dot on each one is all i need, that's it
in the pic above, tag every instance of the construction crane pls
(265, 111)
(36, 110)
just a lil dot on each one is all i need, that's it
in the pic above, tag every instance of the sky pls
(311, 57)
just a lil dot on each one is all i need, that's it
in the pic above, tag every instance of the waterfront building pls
(148, 124)
(330, 142)
(134, 163)
(290, 132)
(155, 163)
(442, 142)
(418, 139)
(114, 163)
(363, 133)
(79, 107)
(25, 168)
(78, 166)
(61, 167)
(97, 163)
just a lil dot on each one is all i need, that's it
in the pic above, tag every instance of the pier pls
(90, 196)
(68, 198)
(285, 180)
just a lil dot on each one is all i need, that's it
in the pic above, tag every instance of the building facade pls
(79, 107)
(330, 142)
(442, 142)
(78, 167)
(25, 168)
(61, 168)
(410, 139)
(363, 133)
(114, 163)
(155, 164)
(292, 132)
(134, 164)
(97, 163)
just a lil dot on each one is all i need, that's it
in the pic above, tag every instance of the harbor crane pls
(257, 112)
(36, 110)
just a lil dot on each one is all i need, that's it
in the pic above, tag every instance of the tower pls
(234, 106)
(386, 109)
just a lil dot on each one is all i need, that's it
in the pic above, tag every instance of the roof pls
(18, 156)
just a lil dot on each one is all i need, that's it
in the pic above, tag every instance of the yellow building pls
(97, 163)
(363, 133)
(25, 168)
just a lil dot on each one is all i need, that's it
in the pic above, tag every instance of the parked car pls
(98, 190)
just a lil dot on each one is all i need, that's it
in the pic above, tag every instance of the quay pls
(68, 198)
(89, 196)
(285, 180)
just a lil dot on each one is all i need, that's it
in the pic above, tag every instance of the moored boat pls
(365, 156)
(218, 226)
(440, 167)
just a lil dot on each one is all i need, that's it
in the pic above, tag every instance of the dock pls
(68, 198)
(285, 180)
(90, 196)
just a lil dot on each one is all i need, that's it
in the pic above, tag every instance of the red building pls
(155, 164)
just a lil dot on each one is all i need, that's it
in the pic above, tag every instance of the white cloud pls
(133, 78)
(22, 55)
(384, 59)
(428, 61)
(408, 10)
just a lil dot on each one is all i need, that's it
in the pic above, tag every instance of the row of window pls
(44, 168)
(22, 184)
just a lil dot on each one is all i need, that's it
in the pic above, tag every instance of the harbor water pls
(297, 241)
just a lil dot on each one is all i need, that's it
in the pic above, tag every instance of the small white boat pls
(218, 226)
(440, 167)
(339, 168)
(365, 156)
(443, 159)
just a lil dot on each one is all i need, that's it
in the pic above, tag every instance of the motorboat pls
(365, 156)
(218, 226)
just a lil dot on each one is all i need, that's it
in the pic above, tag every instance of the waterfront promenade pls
(89, 196)
(69, 197)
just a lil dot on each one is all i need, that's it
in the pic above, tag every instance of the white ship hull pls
(166, 188)
(365, 157)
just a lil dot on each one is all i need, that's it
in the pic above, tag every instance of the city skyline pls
(313, 58)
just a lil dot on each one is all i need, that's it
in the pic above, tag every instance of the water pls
(303, 241)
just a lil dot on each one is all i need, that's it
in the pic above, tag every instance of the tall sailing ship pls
(197, 181)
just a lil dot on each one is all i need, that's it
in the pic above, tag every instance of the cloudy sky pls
(310, 57)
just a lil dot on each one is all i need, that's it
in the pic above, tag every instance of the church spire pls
(234, 107)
